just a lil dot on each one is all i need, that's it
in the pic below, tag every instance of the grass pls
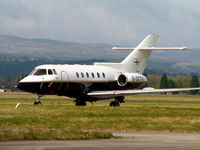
(30, 96)
(164, 97)
(137, 116)
(52, 135)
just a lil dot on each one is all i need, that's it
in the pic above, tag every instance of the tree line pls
(165, 81)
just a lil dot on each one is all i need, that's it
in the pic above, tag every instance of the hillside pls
(175, 62)
(51, 49)
(20, 56)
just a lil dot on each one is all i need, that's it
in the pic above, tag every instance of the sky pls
(121, 22)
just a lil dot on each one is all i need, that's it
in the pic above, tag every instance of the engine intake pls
(122, 80)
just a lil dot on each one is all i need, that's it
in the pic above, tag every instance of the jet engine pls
(125, 78)
(122, 80)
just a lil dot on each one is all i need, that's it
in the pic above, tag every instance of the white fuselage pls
(78, 80)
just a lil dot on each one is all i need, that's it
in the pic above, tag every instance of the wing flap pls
(114, 93)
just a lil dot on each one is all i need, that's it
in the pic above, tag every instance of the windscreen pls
(40, 72)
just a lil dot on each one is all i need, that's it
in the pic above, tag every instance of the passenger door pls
(64, 82)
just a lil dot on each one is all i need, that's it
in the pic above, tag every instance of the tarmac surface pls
(130, 141)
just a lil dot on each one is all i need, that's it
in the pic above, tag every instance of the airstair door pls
(64, 82)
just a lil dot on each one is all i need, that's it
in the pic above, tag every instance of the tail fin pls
(137, 60)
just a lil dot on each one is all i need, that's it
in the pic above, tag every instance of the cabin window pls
(87, 74)
(50, 72)
(98, 75)
(92, 74)
(40, 72)
(54, 71)
(82, 75)
(77, 75)
(103, 75)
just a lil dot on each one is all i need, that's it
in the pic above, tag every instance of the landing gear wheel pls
(38, 101)
(114, 103)
(117, 101)
(80, 103)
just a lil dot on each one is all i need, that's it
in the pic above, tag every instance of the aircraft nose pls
(29, 87)
(20, 86)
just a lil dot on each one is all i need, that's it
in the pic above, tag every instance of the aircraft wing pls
(114, 93)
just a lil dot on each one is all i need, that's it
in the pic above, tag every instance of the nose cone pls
(26, 87)
(29, 87)
(21, 86)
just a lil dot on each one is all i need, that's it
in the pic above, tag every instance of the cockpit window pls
(54, 71)
(40, 72)
(32, 72)
(50, 72)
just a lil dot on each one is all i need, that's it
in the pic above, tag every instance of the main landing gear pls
(80, 102)
(117, 101)
(38, 101)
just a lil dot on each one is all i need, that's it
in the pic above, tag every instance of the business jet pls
(100, 80)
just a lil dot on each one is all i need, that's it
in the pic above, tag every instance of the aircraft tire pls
(114, 103)
(80, 103)
(37, 103)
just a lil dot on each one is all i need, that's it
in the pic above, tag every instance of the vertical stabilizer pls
(137, 60)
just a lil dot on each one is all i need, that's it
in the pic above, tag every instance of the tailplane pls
(137, 60)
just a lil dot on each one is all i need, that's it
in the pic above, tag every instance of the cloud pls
(105, 21)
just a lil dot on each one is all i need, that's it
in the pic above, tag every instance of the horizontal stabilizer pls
(151, 48)
(114, 93)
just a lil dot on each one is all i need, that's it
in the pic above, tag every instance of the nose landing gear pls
(38, 102)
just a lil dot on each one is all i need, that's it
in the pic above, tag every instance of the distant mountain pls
(175, 62)
(52, 49)
(21, 55)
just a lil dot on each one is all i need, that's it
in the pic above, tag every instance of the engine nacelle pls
(122, 80)
(125, 78)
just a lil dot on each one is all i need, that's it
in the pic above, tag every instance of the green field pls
(63, 116)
